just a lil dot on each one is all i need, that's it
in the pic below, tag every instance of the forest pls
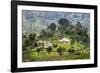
(59, 41)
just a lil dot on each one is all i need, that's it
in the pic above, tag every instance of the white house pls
(65, 40)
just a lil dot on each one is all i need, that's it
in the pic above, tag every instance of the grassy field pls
(68, 53)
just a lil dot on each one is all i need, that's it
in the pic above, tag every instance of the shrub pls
(60, 51)
(49, 49)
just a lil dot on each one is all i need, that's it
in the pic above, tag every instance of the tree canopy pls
(52, 26)
(63, 21)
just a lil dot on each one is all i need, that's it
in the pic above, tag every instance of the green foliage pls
(63, 22)
(60, 50)
(78, 48)
(28, 41)
(49, 49)
(71, 51)
(32, 36)
(52, 26)
(43, 32)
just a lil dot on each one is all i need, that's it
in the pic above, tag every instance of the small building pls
(65, 40)
(45, 44)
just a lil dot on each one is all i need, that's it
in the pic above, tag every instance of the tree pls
(72, 39)
(32, 36)
(63, 25)
(43, 32)
(38, 51)
(52, 26)
(79, 24)
(71, 51)
(35, 44)
(49, 49)
(78, 28)
(77, 31)
(81, 34)
(63, 21)
(60, 51)
(25, 44)
(54, 45)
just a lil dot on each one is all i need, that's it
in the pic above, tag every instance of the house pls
(64, 40)
(45, 44)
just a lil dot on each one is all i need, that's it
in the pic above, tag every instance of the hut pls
(64, 40)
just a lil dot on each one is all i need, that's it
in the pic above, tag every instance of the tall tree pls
(63, 24)
(63, 21)
(52, 26)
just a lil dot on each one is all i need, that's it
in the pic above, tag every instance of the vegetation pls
(47, 47)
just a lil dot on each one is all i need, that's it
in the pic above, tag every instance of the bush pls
(60, 51)
(71, 51)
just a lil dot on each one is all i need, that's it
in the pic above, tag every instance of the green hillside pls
(63, 42)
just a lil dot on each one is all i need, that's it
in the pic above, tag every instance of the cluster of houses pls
(47, 44)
